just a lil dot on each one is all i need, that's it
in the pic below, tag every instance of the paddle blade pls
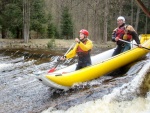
(51, 70)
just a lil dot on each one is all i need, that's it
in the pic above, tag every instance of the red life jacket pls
(123, 34)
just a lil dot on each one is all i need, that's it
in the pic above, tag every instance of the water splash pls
(132, 89)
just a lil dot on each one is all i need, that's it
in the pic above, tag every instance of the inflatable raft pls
(102, 64)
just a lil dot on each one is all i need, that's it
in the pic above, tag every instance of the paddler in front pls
(82, 49)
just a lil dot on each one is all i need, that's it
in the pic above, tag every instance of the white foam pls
(131, 87)
(137, 105)
(3, 66)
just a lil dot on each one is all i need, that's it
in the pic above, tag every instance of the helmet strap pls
(84, 39)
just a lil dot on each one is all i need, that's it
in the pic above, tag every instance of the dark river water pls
(117, 92)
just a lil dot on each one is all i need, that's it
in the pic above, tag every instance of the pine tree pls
(66, 24)
(50, 30)
(38, 17)
(11, 17)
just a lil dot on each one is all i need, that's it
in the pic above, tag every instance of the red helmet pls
(84, 31)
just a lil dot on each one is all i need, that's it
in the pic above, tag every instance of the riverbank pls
(58, 44)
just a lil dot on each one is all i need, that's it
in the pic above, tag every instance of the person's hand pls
(63, 58)
(117, 38)
(77, 40)
(139, 45)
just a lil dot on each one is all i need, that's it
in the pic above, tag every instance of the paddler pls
(124, 32)
(82, 49)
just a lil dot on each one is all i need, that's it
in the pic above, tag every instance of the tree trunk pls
(26, 19)
(4, 33)
(105, 21)
(18, 33)
(137, 18)
(132, 12)
(146, 22)
(142, 6)
(121, 6)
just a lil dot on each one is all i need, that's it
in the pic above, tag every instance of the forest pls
(62, 19)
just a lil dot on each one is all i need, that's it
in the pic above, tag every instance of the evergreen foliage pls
(66, 24)
(11, 17)
(51, 30)
(63, 19)
(38, 17)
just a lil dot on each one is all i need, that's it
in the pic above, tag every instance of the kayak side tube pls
(49, 83)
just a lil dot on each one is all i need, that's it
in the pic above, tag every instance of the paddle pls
(54, 68)
(133, 44)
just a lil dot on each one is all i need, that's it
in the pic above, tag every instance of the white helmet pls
(121, 18)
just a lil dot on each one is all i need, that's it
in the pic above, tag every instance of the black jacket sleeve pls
(135, 36)
(113, 36)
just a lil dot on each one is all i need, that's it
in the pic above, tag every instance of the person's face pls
(119, 22)
(81, 35)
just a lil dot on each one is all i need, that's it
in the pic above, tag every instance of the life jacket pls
(122, 33)
(82, 53)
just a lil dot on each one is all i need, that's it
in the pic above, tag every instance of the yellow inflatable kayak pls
(102, 64)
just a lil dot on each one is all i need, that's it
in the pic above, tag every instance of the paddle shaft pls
(133, 44)
(54, 68)
(64, 55)
(69, 49)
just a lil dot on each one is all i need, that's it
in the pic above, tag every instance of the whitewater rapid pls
(21, 92)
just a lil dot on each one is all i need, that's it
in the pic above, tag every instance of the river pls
(21, 92)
